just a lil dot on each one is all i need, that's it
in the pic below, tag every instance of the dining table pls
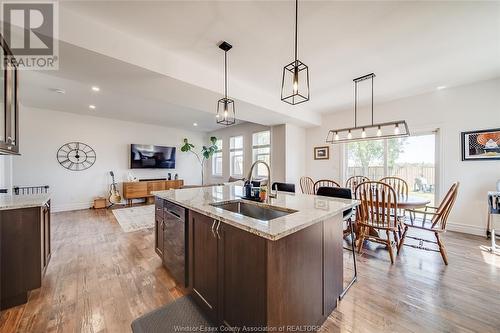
(405, 202)
(412, 202)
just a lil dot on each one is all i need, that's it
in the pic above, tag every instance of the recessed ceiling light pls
(92, 107)
(58, 90)
(441, 87)
(195, 124)
(95, 88)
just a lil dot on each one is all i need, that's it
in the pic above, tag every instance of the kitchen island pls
(25, 246)
(275, 266)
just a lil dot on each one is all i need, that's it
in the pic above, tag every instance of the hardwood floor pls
(100, 279)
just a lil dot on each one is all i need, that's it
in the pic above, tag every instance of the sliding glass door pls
(412, 159)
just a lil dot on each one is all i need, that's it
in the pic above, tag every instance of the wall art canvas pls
(481, 145)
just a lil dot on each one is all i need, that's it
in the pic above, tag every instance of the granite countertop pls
(311, 209)
(8, 201)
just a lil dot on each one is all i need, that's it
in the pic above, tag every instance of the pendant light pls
(225, 106)
(295, 81)
(392, 129)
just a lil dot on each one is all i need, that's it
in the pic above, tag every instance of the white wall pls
(44, 131)
(6, 172)
(452, 111)
(296, 154)
(246, 130)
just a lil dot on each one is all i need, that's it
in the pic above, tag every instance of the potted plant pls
(205, 153)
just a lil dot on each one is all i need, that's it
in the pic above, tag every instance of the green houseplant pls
(205, 153)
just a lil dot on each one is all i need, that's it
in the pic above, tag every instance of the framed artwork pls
(322, 153)
(481, 145)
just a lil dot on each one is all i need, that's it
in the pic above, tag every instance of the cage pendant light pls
(372, 131)
(225, 106)
(295, 81)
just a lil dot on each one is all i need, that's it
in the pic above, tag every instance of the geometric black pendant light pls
(295, 81)
(370, 131)
(225, 106)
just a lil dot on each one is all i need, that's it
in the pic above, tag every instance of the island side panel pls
(333, 262)
(295, 278)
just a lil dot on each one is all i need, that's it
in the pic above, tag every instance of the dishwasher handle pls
(174, 213)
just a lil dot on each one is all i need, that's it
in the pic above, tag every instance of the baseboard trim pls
(71, 206)
(466, 229)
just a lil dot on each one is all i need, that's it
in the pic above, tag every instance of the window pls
(412, 159)
(217, 160)
(261, 147)
(236, 155)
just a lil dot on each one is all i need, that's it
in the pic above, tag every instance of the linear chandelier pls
(225, 106)
(295, 81)
(392, 129)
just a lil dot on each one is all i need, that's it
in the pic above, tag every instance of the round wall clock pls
(76, 156)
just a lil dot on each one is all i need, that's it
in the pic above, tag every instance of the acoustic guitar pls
(114, 195)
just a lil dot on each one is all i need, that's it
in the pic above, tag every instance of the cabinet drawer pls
(178, 211)
(135, 190)
(156, 186)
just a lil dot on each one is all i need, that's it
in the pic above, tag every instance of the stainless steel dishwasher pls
(174, 242)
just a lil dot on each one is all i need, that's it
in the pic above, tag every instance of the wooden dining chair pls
(401, 187)
(374, 216)
(325, 183)
(307, 185)
(432, 219)
(354, 181)
(398, 184)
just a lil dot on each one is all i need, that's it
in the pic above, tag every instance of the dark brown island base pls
(284, 273)
(25, 246)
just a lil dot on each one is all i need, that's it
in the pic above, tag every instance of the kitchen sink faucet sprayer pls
(269, 193)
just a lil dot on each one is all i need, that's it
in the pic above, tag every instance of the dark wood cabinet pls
(242, 277)
(9, 103)
(228, 275)
(25, 252)
(203, 275)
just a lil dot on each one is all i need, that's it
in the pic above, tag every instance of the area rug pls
(182, 315)
(135, 218)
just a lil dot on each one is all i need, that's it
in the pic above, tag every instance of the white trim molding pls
(466, 229)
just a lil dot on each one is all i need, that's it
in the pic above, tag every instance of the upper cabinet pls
(9, 112)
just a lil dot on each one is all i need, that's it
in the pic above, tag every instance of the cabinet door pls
(204, 264)
(159, 235)
(242, 278)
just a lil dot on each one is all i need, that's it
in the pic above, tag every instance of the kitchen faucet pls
(269, 193)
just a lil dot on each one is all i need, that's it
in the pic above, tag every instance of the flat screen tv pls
(152, 157)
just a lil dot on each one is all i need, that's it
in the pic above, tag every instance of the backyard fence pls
(407, 172)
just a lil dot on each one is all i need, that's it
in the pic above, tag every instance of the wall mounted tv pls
(152, 157)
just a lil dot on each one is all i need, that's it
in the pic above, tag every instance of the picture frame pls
(322, 153)
(481, 145)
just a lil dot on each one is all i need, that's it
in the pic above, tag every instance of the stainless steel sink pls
(256, 211)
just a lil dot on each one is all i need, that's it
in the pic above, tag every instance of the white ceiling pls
(412, 46)
(127, 92)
